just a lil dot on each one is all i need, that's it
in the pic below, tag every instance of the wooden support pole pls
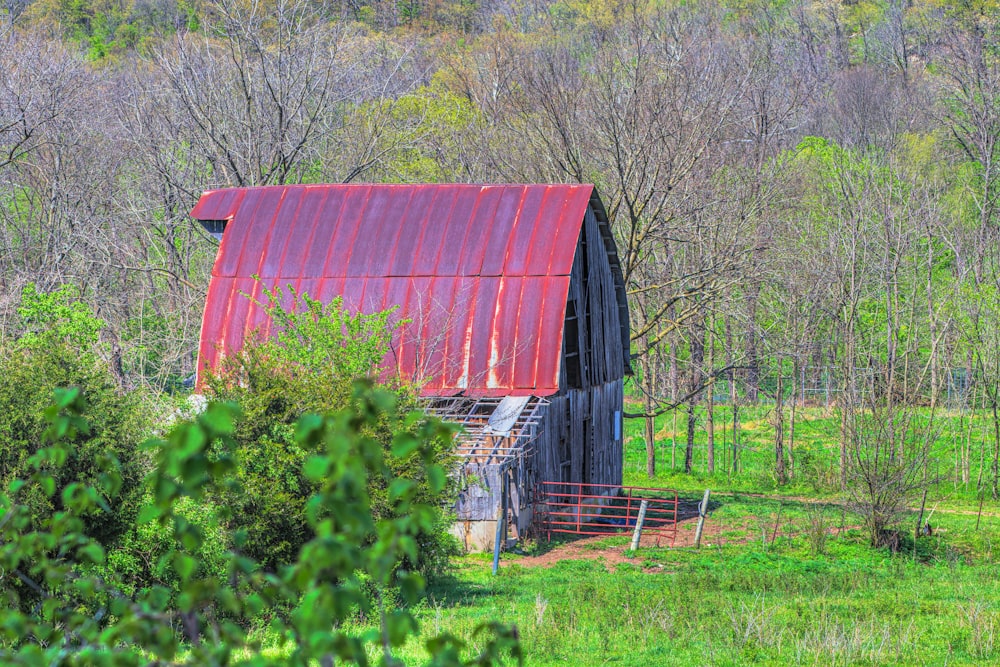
(637, 533)
(702, 511)
(920, 521)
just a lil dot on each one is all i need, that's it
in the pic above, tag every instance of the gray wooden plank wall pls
(576, 436)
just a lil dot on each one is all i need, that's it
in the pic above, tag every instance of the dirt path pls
(595, 548)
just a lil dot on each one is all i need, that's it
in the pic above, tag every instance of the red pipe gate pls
(604, 509)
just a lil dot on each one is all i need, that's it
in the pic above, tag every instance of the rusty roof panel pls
(550, 356)
(477, 367)
(432, 234)
(298, 234)
(257, 242)
(456, 237)
(458, 335)
(436, 316)
(482, 272)
(334, 241)
(552, 253)
(504, 345)
(496, 232)
(518, 248)
(528, 334)
(239, 314)
(473, 249)
(218, 204)
(404, 236)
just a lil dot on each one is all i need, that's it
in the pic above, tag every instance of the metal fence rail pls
(602, 509)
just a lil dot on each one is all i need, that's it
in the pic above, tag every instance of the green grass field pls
(785, 575)
(799, 595)
(815, 452)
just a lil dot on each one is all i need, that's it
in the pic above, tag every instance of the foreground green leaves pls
(59, 611)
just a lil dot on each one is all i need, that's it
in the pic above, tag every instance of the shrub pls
(310, 364)
(56, 346)
(86, 620)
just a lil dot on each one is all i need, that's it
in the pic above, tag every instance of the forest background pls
(805, 195)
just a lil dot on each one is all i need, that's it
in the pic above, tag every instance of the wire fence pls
(823, 386)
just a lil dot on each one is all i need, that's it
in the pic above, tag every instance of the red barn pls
(519, 321)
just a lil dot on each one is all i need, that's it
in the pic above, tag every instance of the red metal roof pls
(481, 270)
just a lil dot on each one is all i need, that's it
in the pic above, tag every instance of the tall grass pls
(797, 599)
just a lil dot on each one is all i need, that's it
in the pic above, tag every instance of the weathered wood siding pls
(592, 334)
(580, 438)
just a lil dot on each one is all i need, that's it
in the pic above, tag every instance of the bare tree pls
(40, 80)
(256, 104)
(971, 103)
(889, 450)
(266, 94)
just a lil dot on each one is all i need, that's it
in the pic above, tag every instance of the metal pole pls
(501, 522)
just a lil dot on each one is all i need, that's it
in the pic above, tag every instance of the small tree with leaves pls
(308, 363)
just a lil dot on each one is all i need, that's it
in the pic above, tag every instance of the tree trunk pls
(982, 459)
(847, 402)
(752, 351)
(733, 395)
(779, 430)
(963, 470)
(710, 408)
(689, 451)
(694, 382)
(932, 322)
(649, 406)
(673, 376)
(996, 444)
(734, 401)
(843, 446)
(650, 439)
(791, 420)
(673, 441)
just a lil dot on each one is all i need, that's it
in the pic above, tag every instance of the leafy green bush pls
(85, 620)
(56, 346)
(310, 364)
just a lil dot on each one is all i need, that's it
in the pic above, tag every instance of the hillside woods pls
(805, 190)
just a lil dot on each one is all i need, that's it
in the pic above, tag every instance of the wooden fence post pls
(702, 511)
(637, 533)
(501, 535)
(920, 521)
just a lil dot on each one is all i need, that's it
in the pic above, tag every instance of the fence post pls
(637, 533)
(702, 511)
(501, 535)
(579, 506)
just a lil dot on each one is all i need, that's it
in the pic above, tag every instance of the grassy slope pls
(768, 588)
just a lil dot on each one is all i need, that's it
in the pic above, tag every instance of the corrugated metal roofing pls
(482, 271)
